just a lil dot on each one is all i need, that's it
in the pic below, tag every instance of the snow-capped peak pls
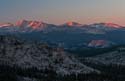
(32, 24)
(21, 23)
(72, 24)
(108, 25)
(112, 25)
(6, 25)
(37, 24)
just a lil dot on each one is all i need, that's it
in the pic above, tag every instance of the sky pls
(61, 11)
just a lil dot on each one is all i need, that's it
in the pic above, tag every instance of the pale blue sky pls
(60, 11)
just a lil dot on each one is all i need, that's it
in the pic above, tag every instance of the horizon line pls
(59, 23)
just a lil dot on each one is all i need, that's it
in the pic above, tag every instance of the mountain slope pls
(6, 25)
(35, 25)
(28, 55)
(114, 57)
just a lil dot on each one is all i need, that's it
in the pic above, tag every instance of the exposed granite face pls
(27, 55)
(114, 57)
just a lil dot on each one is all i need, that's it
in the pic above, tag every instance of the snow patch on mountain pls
(100, 43)
(33, 24)
(72, 24)
(6, 25)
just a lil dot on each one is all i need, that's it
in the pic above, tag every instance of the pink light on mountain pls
(112, 25)
(22, 23)
(99, 43)
(35, 24)
(71, 24)
(6, 25)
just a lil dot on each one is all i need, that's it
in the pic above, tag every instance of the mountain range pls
(68, 35)
(37, 51)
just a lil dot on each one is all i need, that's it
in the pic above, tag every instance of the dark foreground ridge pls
(23, 61)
